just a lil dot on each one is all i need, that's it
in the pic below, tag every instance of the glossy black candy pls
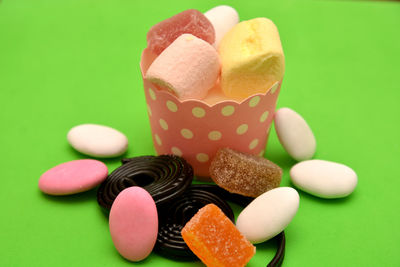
(174, 215)
(165, 177)
(280, 252)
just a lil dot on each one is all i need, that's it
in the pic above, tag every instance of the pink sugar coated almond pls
(192, 21)
(133, 223)
(244, 174)
(216, 240)
(73, 177)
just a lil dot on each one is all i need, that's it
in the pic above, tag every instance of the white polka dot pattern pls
(242, 129)
(228, 110)
(198, 112)
(264, 116)
(158, 139)
(253, 144)
(214, 135)
(195, 131)
(176, 151)
(254, 101)
(202, 157)
(152, 94)
(274, 87)
(163, 124)
(186, 133)
(171, 106)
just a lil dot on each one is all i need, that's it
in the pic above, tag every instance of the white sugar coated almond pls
(223, 18)
(97, 140)
(269, 214)
(323, 178)
(294, 134)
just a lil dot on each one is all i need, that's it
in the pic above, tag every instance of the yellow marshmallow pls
(251, 57)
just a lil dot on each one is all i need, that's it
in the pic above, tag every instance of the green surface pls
(64, 63)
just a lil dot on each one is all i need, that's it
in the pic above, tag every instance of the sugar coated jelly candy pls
(216, 240)
(192, 21)
(244, 174)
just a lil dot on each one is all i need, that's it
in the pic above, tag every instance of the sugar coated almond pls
(323, 178)
(294, 134)
(269, 214)
(134, 223)
(97, 140)
(223, 18)
(73, 177)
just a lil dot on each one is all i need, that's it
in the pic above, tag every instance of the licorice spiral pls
(175, 214)
(164, 177)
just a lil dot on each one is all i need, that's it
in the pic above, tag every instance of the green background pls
(63, 63)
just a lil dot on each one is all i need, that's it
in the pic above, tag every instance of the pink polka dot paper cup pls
(195, 130)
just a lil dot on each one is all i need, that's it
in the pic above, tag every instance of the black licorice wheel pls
(174, 215)
(280, 253)
(165, 177)
(226, 195)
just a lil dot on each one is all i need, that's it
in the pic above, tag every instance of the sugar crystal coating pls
(192, 21)
(216, 240)
(251, 57)
(188, 67)
(244, 174)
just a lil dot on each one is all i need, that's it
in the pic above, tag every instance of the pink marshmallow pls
(189, 67)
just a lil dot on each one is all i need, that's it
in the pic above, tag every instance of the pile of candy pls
(248, 59)
(151, 202)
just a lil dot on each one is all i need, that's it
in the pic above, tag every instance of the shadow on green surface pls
(270, 246)
(107, 161)
(280, 157)
(90, 195)
(333, 201)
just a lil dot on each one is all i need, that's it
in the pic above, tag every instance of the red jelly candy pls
(192, 21)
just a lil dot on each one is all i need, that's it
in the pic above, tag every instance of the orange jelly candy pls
(216, 240)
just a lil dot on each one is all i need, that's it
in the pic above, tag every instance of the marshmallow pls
(223, 18)
(189, 67)
(251, 57)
